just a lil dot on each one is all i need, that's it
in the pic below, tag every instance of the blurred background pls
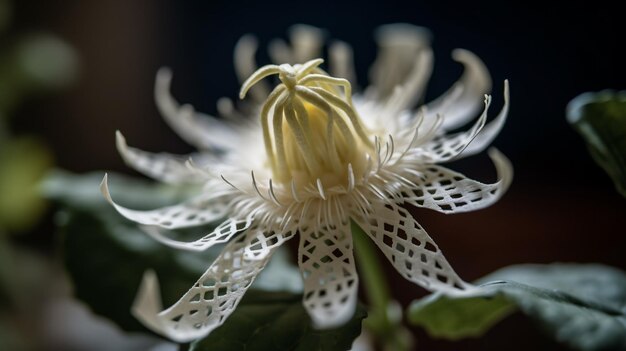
(561, 207)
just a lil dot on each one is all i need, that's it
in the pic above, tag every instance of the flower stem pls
(369, 264)
(385, 318)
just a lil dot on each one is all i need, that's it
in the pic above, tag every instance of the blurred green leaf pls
(278, 322)
(107, 255)
(36, 62)
(457, 318)
(23, 162)
(582, 306)
(5, 14)
(600, 118)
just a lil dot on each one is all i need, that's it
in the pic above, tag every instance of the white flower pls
(309, 160)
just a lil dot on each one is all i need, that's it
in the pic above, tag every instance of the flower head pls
(310, 159)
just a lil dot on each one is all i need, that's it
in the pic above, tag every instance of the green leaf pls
(278, 322)
(457, 318)
(600, 118)
(5, 14)
(582, 306)
(23, 163)
(33, 64)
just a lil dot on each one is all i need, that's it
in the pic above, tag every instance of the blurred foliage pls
(24, 278)
(580, 305)
(5, 14)
(23, 163)
(600, 118)
(107, 255)
(38, 62)
(29, 64)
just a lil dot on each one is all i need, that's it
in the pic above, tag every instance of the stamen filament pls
(299, 134)
(261, 73)
(279, 144)
(307, 67)
(347, 88)
(265, 111)
(354, 118)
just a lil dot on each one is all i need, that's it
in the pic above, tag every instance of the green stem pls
(392, 334)
(373, 276)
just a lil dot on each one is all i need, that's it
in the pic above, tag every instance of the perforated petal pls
(462, 101)
(330, 278)
(202, 131)
(262, 243)
(221, 234)
(165, 167)
(408, 247)
(209, 301)
(444, 190)
(200, 210)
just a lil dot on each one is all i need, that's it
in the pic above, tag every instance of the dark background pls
(561, 206)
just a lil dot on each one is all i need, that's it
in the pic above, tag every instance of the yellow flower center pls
(312, 133)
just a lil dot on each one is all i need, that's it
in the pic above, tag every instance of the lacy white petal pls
(393, 113)
(444, 190)
(447, 147)
(398, 61)
(200, 130)
(341, 61)
(263, 243)
(245, 65)
(165, 167)
(221, 234)
(306, 44)
(408, 247)
(491, 129)
(330, 278)
(461, 102)
(209, 301)
(200, 210)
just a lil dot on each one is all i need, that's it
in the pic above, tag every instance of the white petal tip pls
(301, 28)
(120, 141)
(104, 188)
(326, 321)
(164, 74)
(248, 40)
(463, 55)
(504, 167)
(402, 33)
(147, 304)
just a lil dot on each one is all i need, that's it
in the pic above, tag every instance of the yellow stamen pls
(323, 142)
